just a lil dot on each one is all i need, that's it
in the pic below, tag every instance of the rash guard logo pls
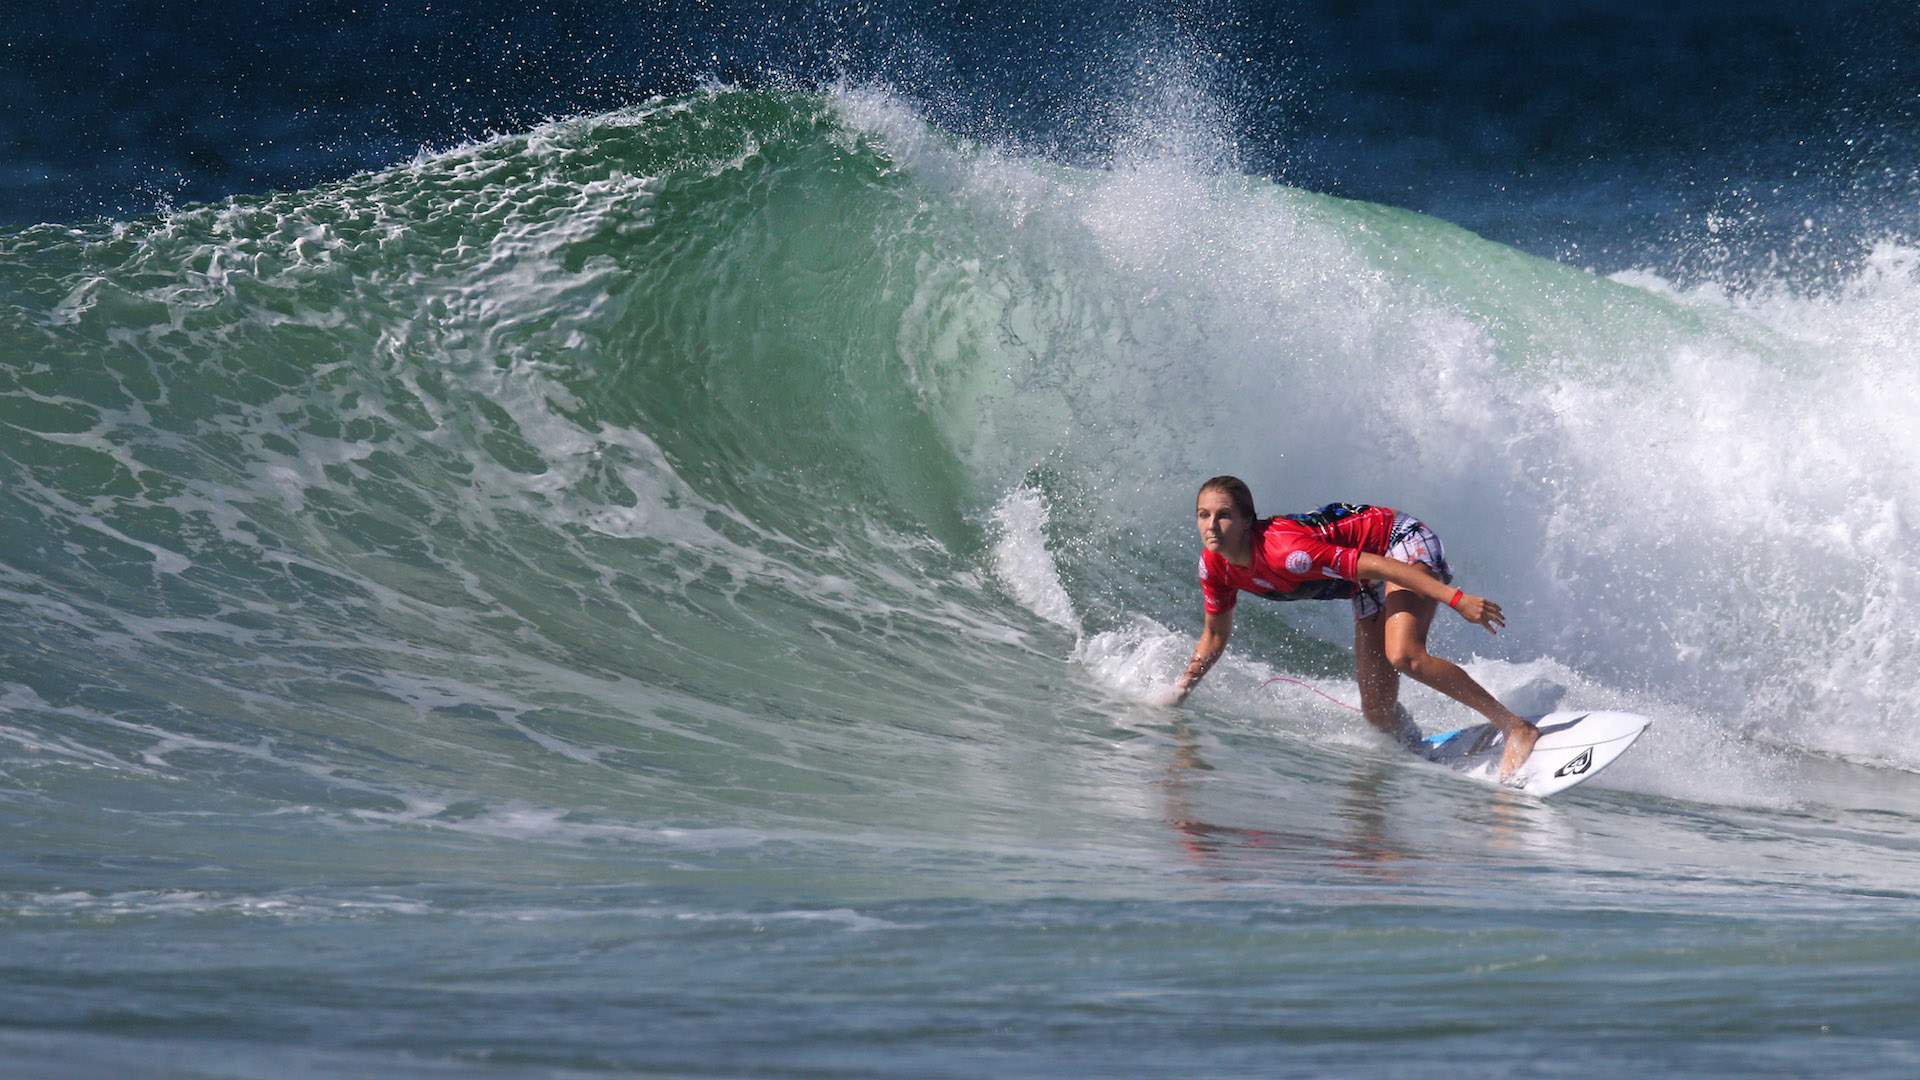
(1298, 563)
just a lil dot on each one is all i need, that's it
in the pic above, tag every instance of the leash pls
(1308, 686)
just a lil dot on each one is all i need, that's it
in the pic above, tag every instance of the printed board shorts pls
(1409, 541)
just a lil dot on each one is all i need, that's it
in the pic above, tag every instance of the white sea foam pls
(1021, 559)
(846, 917)
(1688, 755)
(155, 903)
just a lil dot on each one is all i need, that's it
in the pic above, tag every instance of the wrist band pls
(1455, 602)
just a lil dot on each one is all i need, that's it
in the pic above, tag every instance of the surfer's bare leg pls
(1406, 618)
(1379, 682)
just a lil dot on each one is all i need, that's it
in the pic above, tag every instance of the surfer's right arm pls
(1213, 642)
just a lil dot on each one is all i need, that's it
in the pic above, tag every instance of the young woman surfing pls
(1390, 565)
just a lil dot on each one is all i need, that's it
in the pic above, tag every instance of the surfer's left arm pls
(1475, 609)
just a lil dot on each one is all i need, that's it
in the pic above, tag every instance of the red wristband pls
(1455, 602)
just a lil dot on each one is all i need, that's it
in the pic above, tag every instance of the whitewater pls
(679, 590)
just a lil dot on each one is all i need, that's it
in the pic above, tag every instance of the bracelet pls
(1455, 602)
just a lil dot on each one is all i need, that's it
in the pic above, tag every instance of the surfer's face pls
(1222, 528)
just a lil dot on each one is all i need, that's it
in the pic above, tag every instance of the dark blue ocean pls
(642, 539)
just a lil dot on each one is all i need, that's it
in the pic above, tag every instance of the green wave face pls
(512, 440)
(655, 464)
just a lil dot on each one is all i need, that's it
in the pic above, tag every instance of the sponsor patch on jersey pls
(1203, 569)
(1298, 563)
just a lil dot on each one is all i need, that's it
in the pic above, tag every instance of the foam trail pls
(1021, 559)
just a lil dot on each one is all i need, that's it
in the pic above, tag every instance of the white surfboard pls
(1574, 746)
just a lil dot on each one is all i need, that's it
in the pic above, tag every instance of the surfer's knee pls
(1407, 657)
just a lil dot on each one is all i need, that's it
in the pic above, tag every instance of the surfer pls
(1390, 565)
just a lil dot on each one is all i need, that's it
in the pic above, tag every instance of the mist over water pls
(668, 559)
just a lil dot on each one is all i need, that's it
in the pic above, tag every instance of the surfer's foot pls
(1520, 742)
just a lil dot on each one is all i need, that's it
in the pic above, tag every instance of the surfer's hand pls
(1483, 612)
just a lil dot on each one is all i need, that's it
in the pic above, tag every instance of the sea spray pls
(1608, 456)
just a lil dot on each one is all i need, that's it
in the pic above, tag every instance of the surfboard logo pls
(1577, 765)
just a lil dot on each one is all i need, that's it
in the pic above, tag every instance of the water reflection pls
(1364, 840)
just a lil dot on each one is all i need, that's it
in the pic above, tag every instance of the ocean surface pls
(640, 541)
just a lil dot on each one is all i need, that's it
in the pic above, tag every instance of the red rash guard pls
(1312, 556)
